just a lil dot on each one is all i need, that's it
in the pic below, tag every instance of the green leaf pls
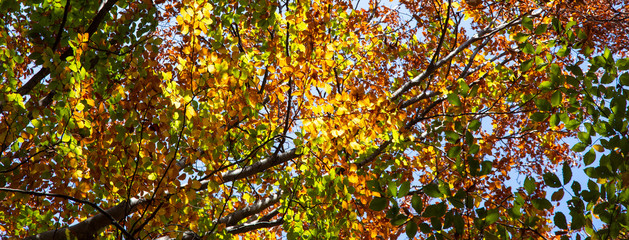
(584, 137)
(527, 48)
(589, 157)
(555, 99)
(560, 221)
(592, 186)
(444, 188)
(459, 223)
(545, 85)
(469, 201)
(567, 173)
(379, 204)
(374, 185)
(393, 188)
(463, 87)
(436, 223)
(623, 64)
(579, 147)
(492, 216)
(454, 152)
(576, 187)
(542, 104)
(393, 211)
(541, 29)
(624, 79)
(425, 228)
(454, 99)
(578, 221)
(526, 65)
(474, 125)
(554, 120)
(521, 37)
(541, 203)
(452, 136)
(432, 190)
(529, 185)
(607, 78)
(404, 188)
(416, 203)
(564, 51)
(538, 116)
(436, 210)
(411, 229)
(551, 180)
(457, 199)
(399, 220)
(527, 23)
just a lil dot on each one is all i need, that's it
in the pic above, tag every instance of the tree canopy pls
(323, 119)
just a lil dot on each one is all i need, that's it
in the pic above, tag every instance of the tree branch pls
(235, 217)
(89, 228)
(478, 36)
(105, 214)
(94, 224)
(242, 228)
(257, 167)
(43, 72)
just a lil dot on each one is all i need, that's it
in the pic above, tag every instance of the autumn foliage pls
(316, 119)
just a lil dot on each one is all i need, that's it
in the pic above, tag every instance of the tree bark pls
(89, 228)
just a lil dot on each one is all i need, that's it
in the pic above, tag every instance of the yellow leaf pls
(77, 174)
(354, 146)
(190, 12)
(353, 178)
(203, 28)
(152, 176)
(184, 198)
(598, 148)
(80, 106)
(90, 102)
(73, 162)
(190, 112)
(84, 187)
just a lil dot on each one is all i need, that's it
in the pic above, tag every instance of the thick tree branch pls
(235, 217)
(94, 224)
(246, 227)
(258, 167)
(63, 24)
(106, 214)
(89, 228)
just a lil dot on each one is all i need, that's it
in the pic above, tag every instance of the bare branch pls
(93, 225)
(106, 214)
(235, 217)
(242, 228)
(89, 228)
(257, 167)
